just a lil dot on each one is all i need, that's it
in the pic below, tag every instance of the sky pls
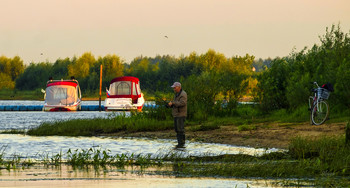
(47, 30)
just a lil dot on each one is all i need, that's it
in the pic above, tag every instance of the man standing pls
(179, 112)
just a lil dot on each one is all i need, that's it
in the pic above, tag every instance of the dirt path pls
(276, 135)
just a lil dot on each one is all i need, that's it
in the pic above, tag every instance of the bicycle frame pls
(318, 106)
(315, 99)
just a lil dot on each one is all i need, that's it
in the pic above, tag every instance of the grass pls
(246, 127)
(158, 119)
(91, 127)
(206, 126)
(7, 94)
(99, 157)
(13, 131)
(322, 162)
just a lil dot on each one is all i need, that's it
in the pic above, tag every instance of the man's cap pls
(176, 84)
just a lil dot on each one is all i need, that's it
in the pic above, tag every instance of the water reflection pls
(66, 176)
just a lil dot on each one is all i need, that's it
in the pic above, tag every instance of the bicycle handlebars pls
(315, 84)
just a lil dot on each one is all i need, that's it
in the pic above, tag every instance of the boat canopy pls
(61, 93)
(124, 87)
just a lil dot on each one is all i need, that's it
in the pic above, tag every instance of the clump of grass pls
(303, 148)
(206, 126)
(2, 152)
(246, 127)
(329, 154)
(98, 157)
(296, 115)
(13, 131)
(248, 111)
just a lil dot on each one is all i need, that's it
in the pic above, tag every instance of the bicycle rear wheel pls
(320, 112)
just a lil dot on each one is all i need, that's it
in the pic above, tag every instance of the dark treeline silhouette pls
(279, 83)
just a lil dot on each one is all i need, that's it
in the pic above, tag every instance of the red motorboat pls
(124, 94)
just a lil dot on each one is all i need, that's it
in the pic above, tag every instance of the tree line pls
(10, 70)
(156, 73)
(279, 83)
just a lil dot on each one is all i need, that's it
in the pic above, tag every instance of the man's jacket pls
(180, 104)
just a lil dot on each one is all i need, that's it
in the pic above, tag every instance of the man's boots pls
(180, 140)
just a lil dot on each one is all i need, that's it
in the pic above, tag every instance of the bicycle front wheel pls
(320, 112)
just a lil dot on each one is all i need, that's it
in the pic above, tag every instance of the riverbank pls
(269, 135)
(307, 161)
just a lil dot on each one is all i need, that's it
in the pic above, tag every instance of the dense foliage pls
(10, 69)
(286, 85)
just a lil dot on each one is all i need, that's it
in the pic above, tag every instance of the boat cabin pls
(62, 95)
(124, 94)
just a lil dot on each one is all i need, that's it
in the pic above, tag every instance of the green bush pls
(286, 83)
(272, 86)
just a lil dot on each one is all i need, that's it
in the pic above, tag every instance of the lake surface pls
(36, 147)
(31, 145)
(67, 177)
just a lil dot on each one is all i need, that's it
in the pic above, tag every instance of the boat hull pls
(60, 108)
(123, 104)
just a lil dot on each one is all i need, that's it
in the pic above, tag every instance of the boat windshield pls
(61, 95)
(120, 88)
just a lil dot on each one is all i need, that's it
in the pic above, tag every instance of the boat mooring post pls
(99, 107)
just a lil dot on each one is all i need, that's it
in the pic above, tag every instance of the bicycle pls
(318, 105)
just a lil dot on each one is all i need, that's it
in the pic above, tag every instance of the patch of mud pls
(272, 135)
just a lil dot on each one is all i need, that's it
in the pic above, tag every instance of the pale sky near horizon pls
(46, 30)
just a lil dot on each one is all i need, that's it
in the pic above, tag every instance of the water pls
(24, 120)
(39, 147)
(31, 146)
(30, 102)
(67, 177)
(35, 147)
